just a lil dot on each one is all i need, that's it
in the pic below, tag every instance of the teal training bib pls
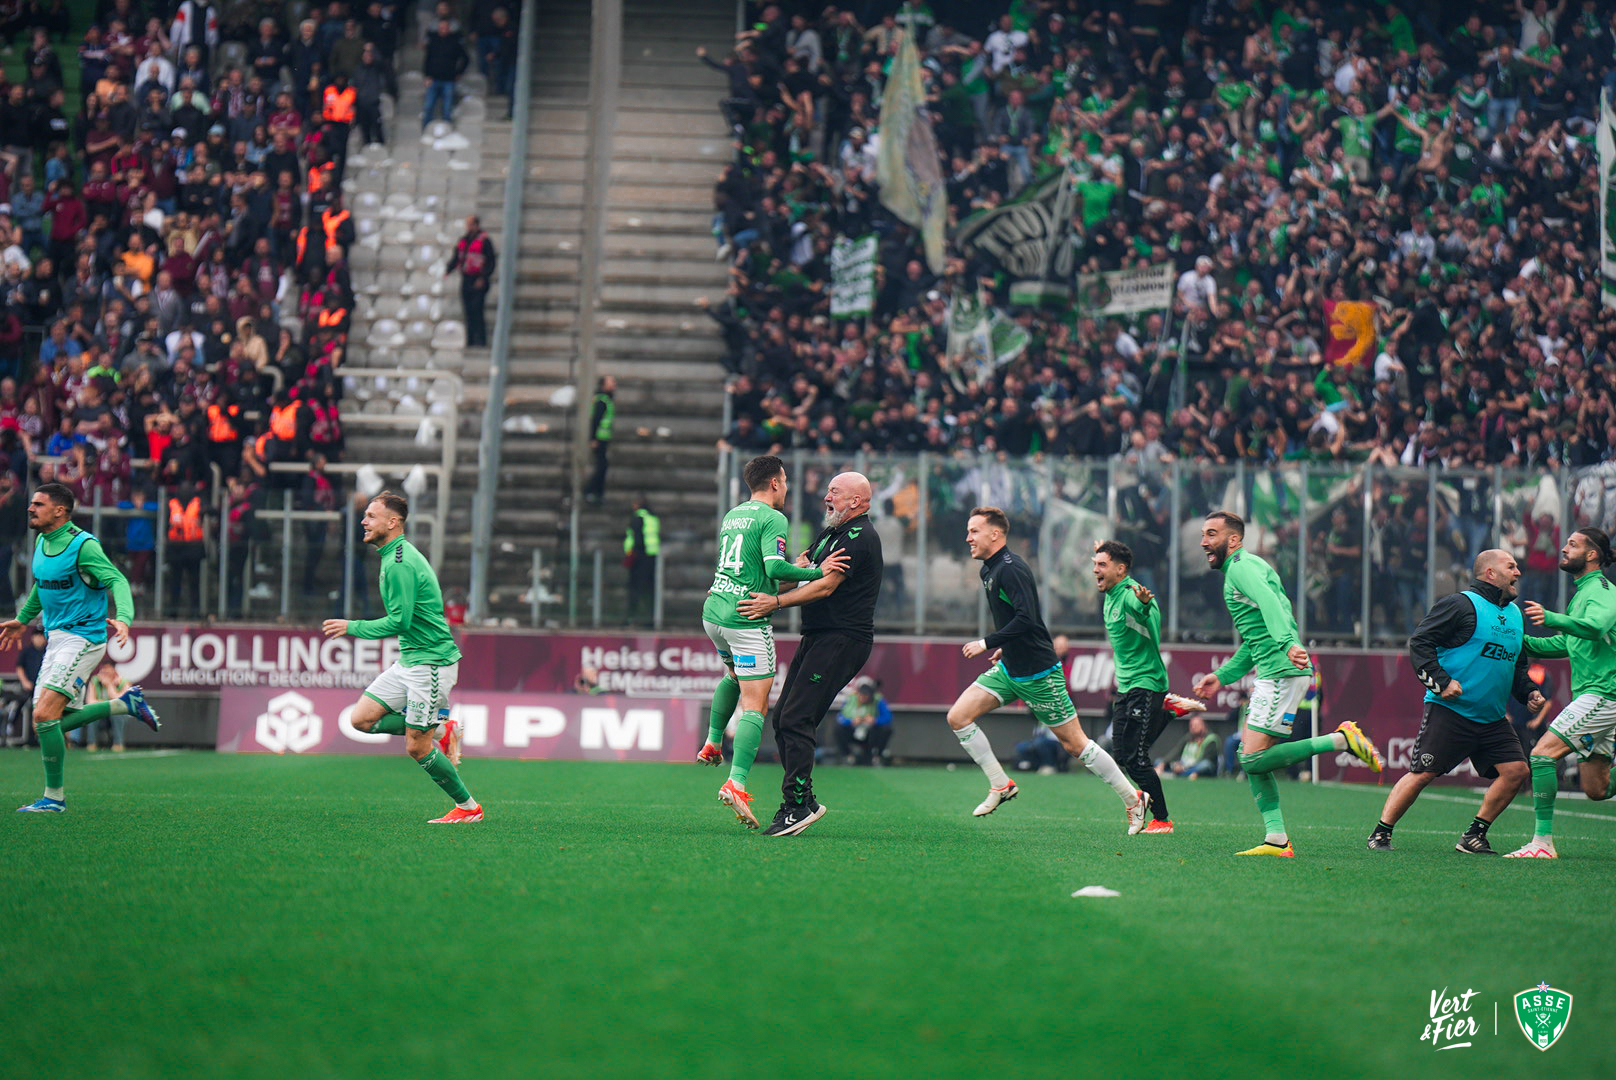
(68, 602)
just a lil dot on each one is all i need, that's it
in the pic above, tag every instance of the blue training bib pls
(1485, 665)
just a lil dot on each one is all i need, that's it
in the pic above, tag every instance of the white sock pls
(1339, 739)
(1103, 765)
(975, 741)
(120, 707)
(1277, 839)
(59, 794)
(469, 804)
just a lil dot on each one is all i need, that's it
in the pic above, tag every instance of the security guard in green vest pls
(642, 543)
(600, 436)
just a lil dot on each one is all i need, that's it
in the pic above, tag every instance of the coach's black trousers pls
(825, 662)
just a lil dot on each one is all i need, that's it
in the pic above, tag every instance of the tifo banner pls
(1607, 206)
(908, 166)
(852, 277)
(1024, 236)
(540, 726)
(1121, 292)
(1349, 332)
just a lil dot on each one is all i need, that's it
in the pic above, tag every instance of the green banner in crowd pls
(852, 277)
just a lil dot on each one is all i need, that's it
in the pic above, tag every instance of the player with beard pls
(751, 562)
(1269, 640)
(1587, 726)
(838, 631)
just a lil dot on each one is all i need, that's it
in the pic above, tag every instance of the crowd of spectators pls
(175, 295)
(1436, 160)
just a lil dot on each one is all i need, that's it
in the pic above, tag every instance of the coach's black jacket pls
(1449, 624)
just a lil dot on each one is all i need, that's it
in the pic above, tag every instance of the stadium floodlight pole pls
(490, 446)
(605, 73)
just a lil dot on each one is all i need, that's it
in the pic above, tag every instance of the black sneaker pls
(792, 820)
(1379, 841)
(1474, 844)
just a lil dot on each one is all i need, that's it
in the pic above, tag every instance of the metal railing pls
(1363, 550)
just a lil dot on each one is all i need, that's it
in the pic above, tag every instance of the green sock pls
(390, 724)
(1545, 788)
(53, 749)
(74, 719)
(1266, 789)
(1287, 753)
(725, 698)
(443, 774)
(748, 737)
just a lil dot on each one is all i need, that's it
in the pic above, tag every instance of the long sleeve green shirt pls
(1585, 636)
(1263, 619)
(414, 604)
(1135, 632)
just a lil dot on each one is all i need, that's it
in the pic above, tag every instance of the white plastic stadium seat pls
(450, 334)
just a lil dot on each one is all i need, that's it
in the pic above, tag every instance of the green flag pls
(907, 167)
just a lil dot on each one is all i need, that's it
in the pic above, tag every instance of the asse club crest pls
(1543, 1013)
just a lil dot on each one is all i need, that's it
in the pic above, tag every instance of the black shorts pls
(1446, 738)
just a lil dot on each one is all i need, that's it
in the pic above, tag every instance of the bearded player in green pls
(751, 558)
(411, 698)
(72, 577)
(1268, 638)
(1587, 726)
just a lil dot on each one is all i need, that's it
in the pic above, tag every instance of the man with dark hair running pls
(411, 698)
(1468, 653)
(1268, 639)
(1587, 726)
(72, 577)
(1142, 708)
(751, 559)
(1025, 668)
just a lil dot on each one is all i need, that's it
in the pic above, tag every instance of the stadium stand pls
(1435, 162)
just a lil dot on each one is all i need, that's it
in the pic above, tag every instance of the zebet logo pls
(289, 722)
(1543, 1013)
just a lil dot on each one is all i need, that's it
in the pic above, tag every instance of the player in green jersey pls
(411, 698)
(1268, 639)
(751, 559)
(72, 579)
(1142, 708)
(1587, 726)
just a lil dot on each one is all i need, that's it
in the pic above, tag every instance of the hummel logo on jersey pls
(853, 534)
(815, 678)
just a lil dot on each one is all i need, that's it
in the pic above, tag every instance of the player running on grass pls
(1025, 668)
(1268, 638)
(72, 577)
(751, 558)
(411, 698)
(1586, 726)
(1142, 707)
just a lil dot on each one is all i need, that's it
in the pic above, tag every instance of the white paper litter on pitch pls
(1095, 890)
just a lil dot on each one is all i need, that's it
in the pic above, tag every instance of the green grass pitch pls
(243, 917)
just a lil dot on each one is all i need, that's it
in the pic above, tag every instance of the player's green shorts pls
(1045, 693)
(1588, 726)
(749, 650)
